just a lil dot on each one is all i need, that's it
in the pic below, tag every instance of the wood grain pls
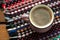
(3, 31)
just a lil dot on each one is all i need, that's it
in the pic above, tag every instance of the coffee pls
(41, 16)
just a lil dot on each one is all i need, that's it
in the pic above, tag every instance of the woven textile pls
(18, 25)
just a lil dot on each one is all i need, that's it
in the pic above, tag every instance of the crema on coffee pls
(41, 16)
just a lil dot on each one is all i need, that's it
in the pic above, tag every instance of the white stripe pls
(59, 21)
(14, 37)
(50, 5)
(18, 26)
(19, 36)
(25, 15)
(12, 29)
(46, 0)
(43, 1)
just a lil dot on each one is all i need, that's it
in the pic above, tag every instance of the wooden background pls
(3, 31)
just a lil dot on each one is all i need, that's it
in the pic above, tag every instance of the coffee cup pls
(41, 17)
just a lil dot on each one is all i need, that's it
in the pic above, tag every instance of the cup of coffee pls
(41, 17)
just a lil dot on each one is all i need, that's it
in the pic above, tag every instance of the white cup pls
(35, 26)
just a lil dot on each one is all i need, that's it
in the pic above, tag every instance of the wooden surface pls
(2, 19)
(3, 31)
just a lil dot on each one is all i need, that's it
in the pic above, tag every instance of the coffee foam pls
(47, 8)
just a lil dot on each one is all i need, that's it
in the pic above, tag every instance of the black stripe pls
(3, 22)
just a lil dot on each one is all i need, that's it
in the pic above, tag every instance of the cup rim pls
(42, 5)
